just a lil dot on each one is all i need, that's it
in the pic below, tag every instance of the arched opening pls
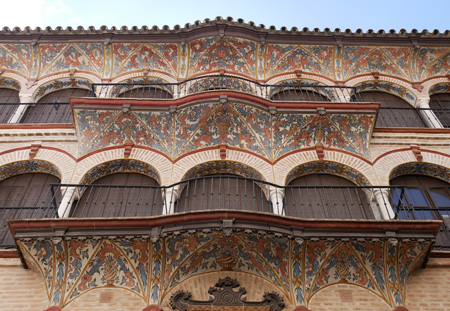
(53, 107)
(119, 195)
(8, 98)
(26, 196)
(224, 191)
(421, 198)
(146, 91)
(394, 111)
(327, 196)
(298, 94)
(440, 104)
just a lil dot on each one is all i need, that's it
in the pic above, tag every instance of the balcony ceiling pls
(234, 123)
(150, 256)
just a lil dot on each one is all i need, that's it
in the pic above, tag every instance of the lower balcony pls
(232, 193)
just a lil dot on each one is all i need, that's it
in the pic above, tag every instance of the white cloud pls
(22, 13)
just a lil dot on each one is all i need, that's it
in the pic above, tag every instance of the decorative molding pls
(224, 294)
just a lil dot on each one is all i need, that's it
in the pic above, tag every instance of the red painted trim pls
(325, 148)
(13, 253)
(37, 126)
(304, 73)
(218, 147)
(42, 147)
(382, 75)
(143, 76)
(411, 130)
(440, 254)
(202, 216)
(214, 95)
(123, 147)
(409, 149)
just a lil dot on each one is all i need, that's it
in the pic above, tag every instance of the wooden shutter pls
(128, 200)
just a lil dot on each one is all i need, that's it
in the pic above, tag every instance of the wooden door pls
(8, 97)
(26, 196)
(395, 113)
(53, 108)
(222, 192)
(120, 195)
(326, 196)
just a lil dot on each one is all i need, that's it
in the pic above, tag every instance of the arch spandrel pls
(9, 83)
(421, 168)
(60, 84)
(438, 88)
(388, 87)
(120, 166)
(222, 167)
(328, 167)
(28, 166)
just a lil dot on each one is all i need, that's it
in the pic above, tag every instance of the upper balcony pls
(394, 111)
(230, 193)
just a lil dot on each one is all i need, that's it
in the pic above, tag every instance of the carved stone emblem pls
(223, 295)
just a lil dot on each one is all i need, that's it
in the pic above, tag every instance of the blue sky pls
(353, 14)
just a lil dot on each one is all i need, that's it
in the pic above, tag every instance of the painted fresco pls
(235, 55)
(28, 166)
(298, 269)
(9, 84)
(238, 57)
(22, 53)
(60, 84)
(60, 58)
(207, 125)
(120, 166)
(146, 56)
(9, 61)
(388, 87)
(416, 168)
(327, 167)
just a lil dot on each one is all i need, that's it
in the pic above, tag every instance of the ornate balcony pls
(233, 193)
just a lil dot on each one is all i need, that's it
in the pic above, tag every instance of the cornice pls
(226, 27)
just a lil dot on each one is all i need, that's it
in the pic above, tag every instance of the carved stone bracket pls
(224, 294)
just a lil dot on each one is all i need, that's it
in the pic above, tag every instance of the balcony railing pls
(413, 117)
(280, 92)
(36, 113)
(232, 193)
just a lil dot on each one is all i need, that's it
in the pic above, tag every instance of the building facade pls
(224, 165)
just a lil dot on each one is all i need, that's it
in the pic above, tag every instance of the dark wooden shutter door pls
(326, 196)
(8, 96)
(131, 200)
(393, 117)
(26, 196)
(225, 192)
(440, 104)
(48, 112)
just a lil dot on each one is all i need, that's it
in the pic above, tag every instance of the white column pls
(382, 199)
(25, 99)
(170, 196)
(277, 197)
(428, 115)
(68, 194)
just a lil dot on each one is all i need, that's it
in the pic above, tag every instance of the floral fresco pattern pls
(253, 59)
(416, 168)
(237, 125)
(299, 269)
(328, 167)
(29, 166)
(120, 166)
